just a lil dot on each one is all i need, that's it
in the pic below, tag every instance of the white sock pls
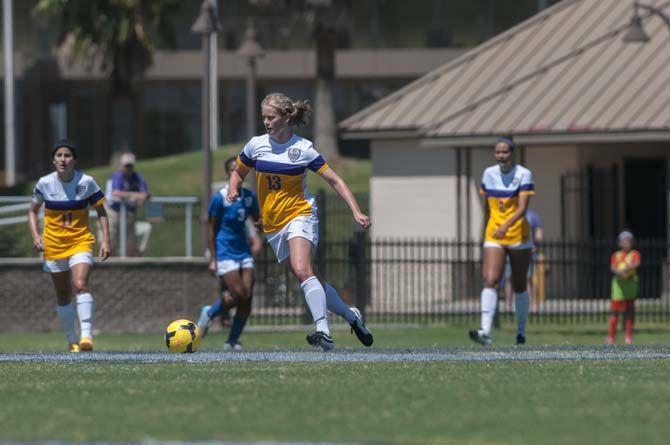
(315, 296)
(65, 315)
(85, 308)
(337, 306)
(521, 305)
(489, 300)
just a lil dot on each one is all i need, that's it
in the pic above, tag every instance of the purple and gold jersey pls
(280, 173)
(66, 230)
(502, 191)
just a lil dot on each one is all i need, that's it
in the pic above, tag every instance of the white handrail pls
(22, 203)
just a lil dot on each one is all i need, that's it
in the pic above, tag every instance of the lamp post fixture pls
(207, 24)
(251, 50)
(636, 32)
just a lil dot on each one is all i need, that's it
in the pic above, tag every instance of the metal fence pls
(391, 281)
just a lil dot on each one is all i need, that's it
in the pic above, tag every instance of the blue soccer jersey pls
(231, 236)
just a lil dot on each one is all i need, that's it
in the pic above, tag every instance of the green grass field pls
(503, 402)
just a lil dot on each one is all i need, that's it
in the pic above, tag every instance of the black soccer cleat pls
(520, 339)
(362, 332)
(321, 339)
(482, 339)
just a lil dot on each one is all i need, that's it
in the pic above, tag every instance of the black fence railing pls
(418, 281)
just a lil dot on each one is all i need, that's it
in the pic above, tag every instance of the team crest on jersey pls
(515, 182)
(293, 154)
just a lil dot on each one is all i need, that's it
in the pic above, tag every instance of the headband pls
(64, 143)
(507, 141)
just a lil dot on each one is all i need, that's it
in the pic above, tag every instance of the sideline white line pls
(549, 353)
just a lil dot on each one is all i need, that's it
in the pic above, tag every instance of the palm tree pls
(116, 34)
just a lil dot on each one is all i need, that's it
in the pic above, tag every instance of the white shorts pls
(65, 264)
(225, 266)
(517, 246)
(303, 226)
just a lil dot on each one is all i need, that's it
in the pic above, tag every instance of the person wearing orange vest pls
(624, 264)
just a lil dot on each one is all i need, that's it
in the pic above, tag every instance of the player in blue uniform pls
(232, 258)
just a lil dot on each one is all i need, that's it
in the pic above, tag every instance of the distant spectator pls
(624, 264)
(127, 186)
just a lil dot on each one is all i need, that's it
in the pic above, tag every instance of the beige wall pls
(413, 188)
(548, 163)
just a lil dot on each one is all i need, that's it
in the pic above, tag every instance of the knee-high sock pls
(336, 305)
(521, 307)
(85, 310)
(629, 325)
(216, 308)
(489, 300)
(612, 326)
(315, 296)
(236, 329)
(65, 315)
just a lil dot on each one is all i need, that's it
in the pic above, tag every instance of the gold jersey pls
(66, 204)
(280, 174)
(502, 191)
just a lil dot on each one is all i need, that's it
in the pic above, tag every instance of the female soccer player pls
(507, 188)
(232, 259)
(67, 241)
(288, 214)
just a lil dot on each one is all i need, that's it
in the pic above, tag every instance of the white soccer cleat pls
(204, 322)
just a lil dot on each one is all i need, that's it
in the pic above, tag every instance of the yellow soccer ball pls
(182, 336)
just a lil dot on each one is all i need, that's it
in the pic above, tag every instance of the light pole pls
(636, 32)
(208, 25)
(8, 50)
(251, 50)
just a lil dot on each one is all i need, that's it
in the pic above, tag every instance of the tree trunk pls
(325, 127)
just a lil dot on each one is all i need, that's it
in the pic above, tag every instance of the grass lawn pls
(181, 174)
(595, 402)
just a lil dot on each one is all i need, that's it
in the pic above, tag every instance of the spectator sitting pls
(127, 186)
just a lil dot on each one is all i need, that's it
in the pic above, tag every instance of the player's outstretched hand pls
(38, 243)
(363, 220)
(232, 195)
(105, 250)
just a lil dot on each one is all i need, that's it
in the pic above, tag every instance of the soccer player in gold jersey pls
(67, 242)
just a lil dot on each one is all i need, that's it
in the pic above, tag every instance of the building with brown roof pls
(590, 111)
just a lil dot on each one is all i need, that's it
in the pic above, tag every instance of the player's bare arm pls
(345, 193)
(38, 241)
(213, 223)
(103, 220)
(235, 182)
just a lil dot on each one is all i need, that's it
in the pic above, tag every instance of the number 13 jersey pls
(66, 230)
(280, 174)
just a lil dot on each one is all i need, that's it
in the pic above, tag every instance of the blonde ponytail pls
(298, 112)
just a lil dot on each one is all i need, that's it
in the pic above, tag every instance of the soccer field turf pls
(592, 394)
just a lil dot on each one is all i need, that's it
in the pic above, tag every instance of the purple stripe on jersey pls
(66, 205)
(37, 191)
(279, 168)
(316, 164)
(95, 197)
(527, 187)
(502, 193)
(247, 160)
